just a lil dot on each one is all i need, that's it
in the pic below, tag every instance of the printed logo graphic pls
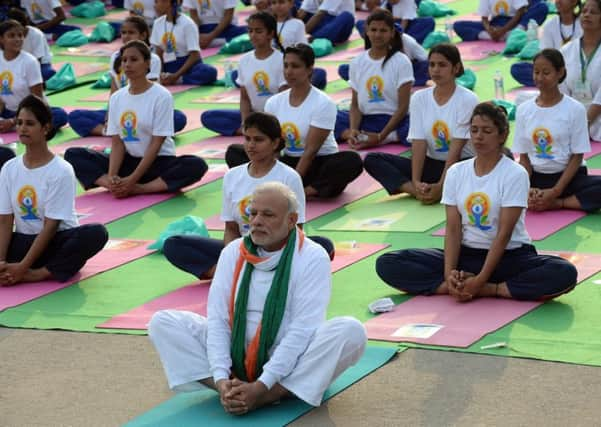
(28, 203)
(138, 8)
(477, 206)
(261, 81)
(244, 212)
(6, 81)
(169, 42)
(204, 5)
(122, 79)
(501, 8)
(36, 12)
(543, 143)
(441, 135)
(129, 127)
(375, 89)
(292, 137)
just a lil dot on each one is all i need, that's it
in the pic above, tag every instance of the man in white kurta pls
(308, 352)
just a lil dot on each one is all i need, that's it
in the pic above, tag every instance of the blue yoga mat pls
(202, 408)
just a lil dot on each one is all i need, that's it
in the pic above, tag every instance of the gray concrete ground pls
(53, 378)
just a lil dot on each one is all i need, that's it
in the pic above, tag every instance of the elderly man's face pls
(270, 221)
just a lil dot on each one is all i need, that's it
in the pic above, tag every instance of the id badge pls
(583, 92)
(169, 56)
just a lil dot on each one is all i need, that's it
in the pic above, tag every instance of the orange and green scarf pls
(247, 363)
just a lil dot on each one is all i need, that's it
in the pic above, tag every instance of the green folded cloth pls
(239, 44)
(530, 50)
(322, 47)
(509, 106)
(467, 79)
(187, 226)
(434, 38)
(434, 9)
(103, 82)
(92, 9)
(72, 38)
(104, 32)
(515, 42)
(63, 78)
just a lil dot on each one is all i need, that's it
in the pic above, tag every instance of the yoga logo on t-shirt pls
(129, 127)
(28, 203)
(204, 5)
(292, 137)
(261, 81)
(138, 8)
(244, 212)
(122, 79)
(36, 12)
(543, 143)
(501, 8)
(169, 42)
(441, 135)
(375, 89)
(6, 80)
(477, 206)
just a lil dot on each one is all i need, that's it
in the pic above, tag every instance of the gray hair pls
(281, 189)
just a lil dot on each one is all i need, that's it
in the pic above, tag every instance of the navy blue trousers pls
(529, 276)
(337, 29)
(522, 73)
(66, 253)
(199, 74)
(177, 172)
(59, 116)
(5, 155)
(371, 123)
(586, 188)
(230, 32)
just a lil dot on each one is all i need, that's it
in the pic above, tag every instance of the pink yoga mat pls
(393, 148)
(100, 206)
(595, 149)
(116, 253)
(9, 138)
(95, 142)
(211, 148)
(231, 96)
(95, 49)
(541, 225)
(462, 324)
(361, 187)
(480, 49)
(193, 120)
(344, 55)
(105, 94)
(194, 297)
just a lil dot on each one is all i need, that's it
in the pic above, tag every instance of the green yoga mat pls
(400, 213)
(202, 408)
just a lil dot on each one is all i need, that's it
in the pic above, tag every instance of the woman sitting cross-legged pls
(37, 197)
(487, 251)
(142, 158)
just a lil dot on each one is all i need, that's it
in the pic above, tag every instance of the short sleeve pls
(405, 73)
(330, 6)
(597, 98)
(296, 185)
(449, 190)
(461, 130)
(112, 127)
(546, 41)
(155, 35)
(33, 73)
(5, 204)
(162, 124)
(230, 4)
(189, 4)
(55, 4)
(352, 74)
(60, 201)
(483, 8)
(192, 37)
(324, 114)
(226, 200)
(515, 188)
(416, 124)
(520, 140)
(520, 4)
(271, 105)
(579, 135)
(155, 68)
(241, 79)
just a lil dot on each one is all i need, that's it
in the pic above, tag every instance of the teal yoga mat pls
(202, 408)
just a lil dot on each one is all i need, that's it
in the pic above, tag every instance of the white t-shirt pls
(34, 194)
(595, 127)
(585, 91)
(144, 8)
(405, 9)
(210, 11)
(238, 187)
(291, 31)
(40, 10)
(36, 44)
(377, 87)
(120, 78)
(492, 8)
(137, 118)
(479, 200)
(181, 38)
(262, 78)
(554, 33)
(413, 50)
(333, 7)
(317, 110)
(439, 124)
(17, 77)
(551, 135)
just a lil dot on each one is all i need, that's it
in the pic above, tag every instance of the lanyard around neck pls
(585, 62)
(564, 40)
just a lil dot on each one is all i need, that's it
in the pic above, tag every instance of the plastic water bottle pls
(448, 25)
(499, 86)
(229, 74)
(532, 31)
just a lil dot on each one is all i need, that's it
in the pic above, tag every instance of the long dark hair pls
(270, 24)
(139, 45)
(396, 44)
(42, 112)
